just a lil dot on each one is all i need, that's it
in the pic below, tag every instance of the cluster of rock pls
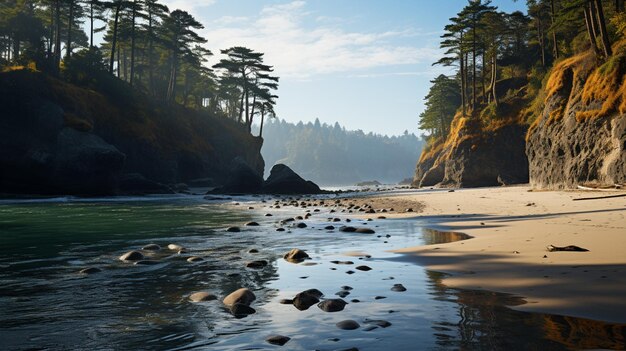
(281, 181)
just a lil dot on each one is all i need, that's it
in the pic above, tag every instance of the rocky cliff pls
(579, 136)
(58, 138)
(481, 149)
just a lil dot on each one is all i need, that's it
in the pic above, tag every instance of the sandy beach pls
(511, 229)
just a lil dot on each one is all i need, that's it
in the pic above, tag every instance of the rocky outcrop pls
(579, 138)
(243, 179)
(283, 180)
(58, 138)
(469, 159)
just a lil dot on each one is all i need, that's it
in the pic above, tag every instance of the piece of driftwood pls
(575, 248)
(600, 197)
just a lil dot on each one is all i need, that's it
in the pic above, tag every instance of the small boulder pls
(398, 288)
(365, 231)
(283, 180)
(175, 247)
(363, 268)
(256, 264)
(195, 259)
(296, 255)
(306, 299)
(132, 256)
(151, 247)
(347, 229)
(240, 296)
(240, 310)
(202, 296)
(348, 325)
(233, 229)
(279, 340)
(332, 305)
(252, 224)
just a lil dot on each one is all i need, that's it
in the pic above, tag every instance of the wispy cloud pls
(191, 6)
(300, 50)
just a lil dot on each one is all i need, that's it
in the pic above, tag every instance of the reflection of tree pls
(483, 320)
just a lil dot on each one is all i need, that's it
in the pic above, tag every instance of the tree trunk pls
(150, 53)
(70, 20)
(132, 43)
(462, 72)
(555, 43)
(57, 38)
(114, 41)
(171, 89)
(247, 108)
(91, 24)
(590, 32)
(262, 120)
(474, 68)
(604, 35)
(494, 76)
(542, 43)
(482, 75)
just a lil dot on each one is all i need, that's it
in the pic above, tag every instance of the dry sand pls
(512, 226)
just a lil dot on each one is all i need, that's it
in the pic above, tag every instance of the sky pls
(363, 63)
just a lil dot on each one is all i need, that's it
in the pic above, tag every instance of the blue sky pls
(363, 63)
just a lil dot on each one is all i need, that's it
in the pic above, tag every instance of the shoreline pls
(511, 228)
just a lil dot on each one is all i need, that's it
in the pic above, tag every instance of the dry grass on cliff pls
(606, 87)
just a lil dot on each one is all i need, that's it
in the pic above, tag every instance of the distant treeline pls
(332, 155)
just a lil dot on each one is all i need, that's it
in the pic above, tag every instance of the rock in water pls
(252, 224)
(398, 288)
(233, 229)
(175, 247)
(365, 230)
(296, 255)
(348, 325)
(256, 264)
(347, 229)
(132, 256)
(306, 299)
(242, 296)
(151, 247)
(283, 180)
(202, 296)
(363, 268)
(279, 340)
(332, 305)
(195, 259)
(240, 310)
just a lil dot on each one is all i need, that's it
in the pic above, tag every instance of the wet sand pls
(512, 227)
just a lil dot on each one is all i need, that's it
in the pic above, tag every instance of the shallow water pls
(46, 304)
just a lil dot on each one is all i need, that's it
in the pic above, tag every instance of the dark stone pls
(329, 227)
(256, 264)
(279, 340)
(363, 268)
(332, 305)
(296, 255)
(398, 288)
(132, 256)
(283, 180)
(252, 224)
(365, 231)
(240, 310)
(233, 229)
(348, 325)
(301, 225)
(302, 301)
(347, 229)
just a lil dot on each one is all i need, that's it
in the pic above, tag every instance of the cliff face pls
(580, 135)
(480, 150)
(57, 138)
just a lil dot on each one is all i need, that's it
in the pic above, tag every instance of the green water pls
(46, 304)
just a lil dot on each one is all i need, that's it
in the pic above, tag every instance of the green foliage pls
(85, 67)
(442, 101)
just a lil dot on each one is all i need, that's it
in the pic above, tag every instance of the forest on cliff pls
(535, 96)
